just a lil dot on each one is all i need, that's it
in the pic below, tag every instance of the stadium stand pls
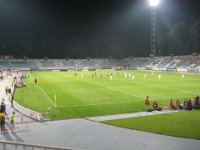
(180, 63)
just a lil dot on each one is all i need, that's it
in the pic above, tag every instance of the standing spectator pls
(147, 103)
(197, 102)
(2, 120)
(178, 105)
(185, 104)
(171, 104)
(3, 107)
(189, 104)
(11, 100)
(6, 89)
(12, 120)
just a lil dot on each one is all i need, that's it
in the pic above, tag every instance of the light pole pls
(153, 4)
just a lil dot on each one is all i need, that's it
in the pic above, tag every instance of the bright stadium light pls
(154, 2)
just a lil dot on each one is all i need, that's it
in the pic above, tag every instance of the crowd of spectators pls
(188, 104)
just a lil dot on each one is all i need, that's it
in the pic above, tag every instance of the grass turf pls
(92, 96)
(182, 124)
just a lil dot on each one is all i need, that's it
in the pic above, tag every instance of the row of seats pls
(161, 63)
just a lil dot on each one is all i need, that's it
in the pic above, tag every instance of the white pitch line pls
(44, 93)
(162, 98)
(124, 92)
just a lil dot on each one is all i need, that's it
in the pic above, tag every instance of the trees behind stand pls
(182, 39)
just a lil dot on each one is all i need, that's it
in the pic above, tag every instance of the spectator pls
(3, 107)
(12, 120)
(155, 106)
(2, 120)
(171, 105)
(178, 104)
(147, 103)
(185, 104)
(11, 100)
(189, 104)
(197, 102)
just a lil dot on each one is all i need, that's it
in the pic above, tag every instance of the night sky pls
(90, 18)
(79, 17)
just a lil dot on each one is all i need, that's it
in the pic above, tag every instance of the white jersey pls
(111, 77)
(124, 74)
(159, 76)
(133, 77)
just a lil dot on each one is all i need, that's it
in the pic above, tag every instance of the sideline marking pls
(45, 93)
(109, 88)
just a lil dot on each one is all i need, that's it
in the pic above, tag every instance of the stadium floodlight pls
(153, 4)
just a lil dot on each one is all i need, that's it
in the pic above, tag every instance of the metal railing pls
(10, 145)
(28, 112)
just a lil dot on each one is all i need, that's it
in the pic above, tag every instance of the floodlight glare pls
(154, 2)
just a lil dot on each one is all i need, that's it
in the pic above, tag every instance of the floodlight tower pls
(153, 4)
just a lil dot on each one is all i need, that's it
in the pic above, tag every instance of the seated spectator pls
(189, 105)
(155, 106)
(197, 102)
(185, 104)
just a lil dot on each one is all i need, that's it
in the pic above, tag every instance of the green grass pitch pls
(84, 95)
(182, 124)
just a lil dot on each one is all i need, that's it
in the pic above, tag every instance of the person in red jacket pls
(171, 104)
(178, 104)
(147, 103)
